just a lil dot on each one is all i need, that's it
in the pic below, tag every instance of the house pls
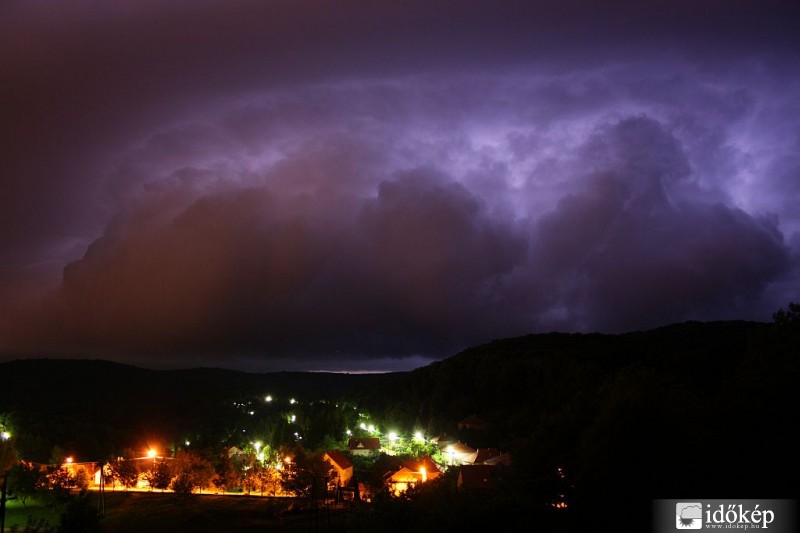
(86, 471)
(456, 453)
(364, 445)
(234, 452)
(473, 423)
(411, 474)
(341, 464)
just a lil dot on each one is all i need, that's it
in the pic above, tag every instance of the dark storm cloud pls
(249, 269)
(271, 180)
(623, 255)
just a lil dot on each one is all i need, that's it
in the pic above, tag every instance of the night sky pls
(302, 185)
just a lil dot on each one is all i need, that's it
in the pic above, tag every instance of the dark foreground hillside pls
(693, 410)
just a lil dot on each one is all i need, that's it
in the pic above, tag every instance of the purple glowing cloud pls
(254, 185)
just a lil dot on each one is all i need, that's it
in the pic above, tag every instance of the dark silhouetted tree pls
(789, 317)
(124, 471)
(26, 480)
(192, 472)
(160, 476)
(307, 475)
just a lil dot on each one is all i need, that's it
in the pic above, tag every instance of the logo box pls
(689, 515)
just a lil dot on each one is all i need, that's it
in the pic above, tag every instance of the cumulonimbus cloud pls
(388, 218)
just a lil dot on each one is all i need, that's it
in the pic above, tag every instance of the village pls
(367, 465)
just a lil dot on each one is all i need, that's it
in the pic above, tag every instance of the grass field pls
(128, 512)
(18, 515)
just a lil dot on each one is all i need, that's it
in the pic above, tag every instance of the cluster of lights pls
(417, 437)
(5, 435)
(370, 428)
(393, 436)
(259, 454)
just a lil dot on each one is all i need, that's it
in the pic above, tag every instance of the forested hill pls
(692, 408)
(538, 373)
(96, 407)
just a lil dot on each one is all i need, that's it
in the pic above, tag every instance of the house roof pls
(405, 475)
(481, 455)
(460, 448)
(416, 465)
(411, 471)
(233, 450)
(338, 459)
(364, 443)
(502, 459)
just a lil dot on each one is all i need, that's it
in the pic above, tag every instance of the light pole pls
(101, 500)
(6, 457)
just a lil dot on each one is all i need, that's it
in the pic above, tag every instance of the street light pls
(152, 453)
